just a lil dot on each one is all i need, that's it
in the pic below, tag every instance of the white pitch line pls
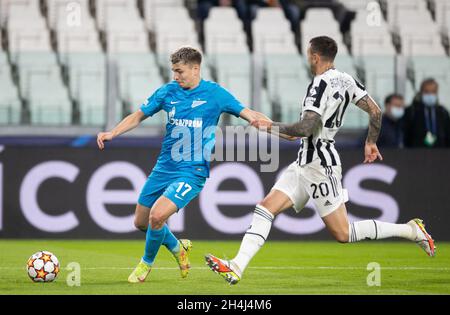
(265, 268)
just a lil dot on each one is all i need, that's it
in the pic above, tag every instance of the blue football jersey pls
(192, 116)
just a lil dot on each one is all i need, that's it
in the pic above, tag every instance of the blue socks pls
(153, 241)
(170, 241)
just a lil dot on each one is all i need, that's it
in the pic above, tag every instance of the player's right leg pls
(284, 195)
(255, 237)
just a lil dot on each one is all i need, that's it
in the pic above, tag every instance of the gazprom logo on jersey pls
(194, 123)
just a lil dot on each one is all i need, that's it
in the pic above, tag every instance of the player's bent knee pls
(140, 225)
(156, 221)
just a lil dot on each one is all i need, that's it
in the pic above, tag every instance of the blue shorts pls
(179, 188)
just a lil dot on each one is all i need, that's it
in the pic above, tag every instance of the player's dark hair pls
(324, 46)
(186, 55)
(390, 97)
(427, 81)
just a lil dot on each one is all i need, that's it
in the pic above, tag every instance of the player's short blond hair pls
(186, 55)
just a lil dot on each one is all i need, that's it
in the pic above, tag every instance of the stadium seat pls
(10, 105)
(117, 14)
(223, 32)
(60, 14)
(127, 42)
(370, 40)
(233, 73)
(346, 63)
(156, 11)
(421, 43)
(313, 25)
(272, 33)
(173, 28)
(47, 97)
(17, 8)
(356, 5)
(42, 87)
(379, 74)
(265, 105)
(413, 23)
(287, 79)
(78, 42)
(138, 78)
(442, 16)
(289, 96)
(27, 40)
(283, 66)
(399, 9)
(355, 118)
(87, 85)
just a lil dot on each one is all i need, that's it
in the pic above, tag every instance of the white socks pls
(254, 238)
(375, 230)
(259, 229)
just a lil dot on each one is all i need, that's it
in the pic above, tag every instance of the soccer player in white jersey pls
(316, 173)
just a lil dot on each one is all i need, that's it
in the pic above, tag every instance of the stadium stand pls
(284, 71)
(40, 82)
(10, 105)
(58, 56)
(421, 43)
(228, 54)
(374, 52)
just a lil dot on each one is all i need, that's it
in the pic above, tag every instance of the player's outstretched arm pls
(303, 128)
(128, 123)
(251, 116)
(371, 152)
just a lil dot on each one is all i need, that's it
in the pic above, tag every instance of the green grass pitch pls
(279, 268)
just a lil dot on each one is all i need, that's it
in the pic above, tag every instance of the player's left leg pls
(338, 225)
(161, 210)
(176, 196)
(325, 188)
(141, 222)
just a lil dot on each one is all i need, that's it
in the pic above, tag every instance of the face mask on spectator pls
(397, 112)
(429, 99)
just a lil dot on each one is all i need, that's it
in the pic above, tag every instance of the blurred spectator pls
(292, 12)
(246, 10)
(204, 6)
(427, 124)
(391, 135)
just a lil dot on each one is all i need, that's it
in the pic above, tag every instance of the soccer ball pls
(43, 267)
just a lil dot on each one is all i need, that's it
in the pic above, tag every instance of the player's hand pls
(102, 137)
(371, 153)
(290, 138)
(262, 124)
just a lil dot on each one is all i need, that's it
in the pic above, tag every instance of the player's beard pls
(312, 68)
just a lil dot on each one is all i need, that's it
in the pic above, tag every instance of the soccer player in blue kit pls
(193, 107)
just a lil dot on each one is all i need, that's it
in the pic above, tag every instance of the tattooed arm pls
(302, 128)
(368, 105)
(251, 116)
(371, 151)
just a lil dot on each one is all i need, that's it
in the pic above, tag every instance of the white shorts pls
(321, 183)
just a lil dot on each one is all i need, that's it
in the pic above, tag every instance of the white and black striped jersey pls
(329, 95)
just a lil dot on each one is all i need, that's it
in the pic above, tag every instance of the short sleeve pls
(359, 91)
(228, 103)
(154, 103)
(316, 97)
